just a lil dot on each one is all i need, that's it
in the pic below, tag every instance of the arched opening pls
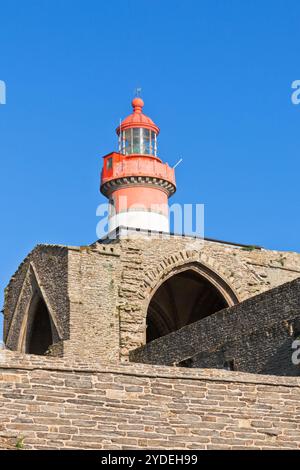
(182, 299)
(39, 336)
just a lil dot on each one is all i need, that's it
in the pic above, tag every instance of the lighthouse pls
(135, 180)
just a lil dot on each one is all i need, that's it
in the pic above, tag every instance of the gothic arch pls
(39, 327)
(208, 266)
(40, 330)
(187, 268)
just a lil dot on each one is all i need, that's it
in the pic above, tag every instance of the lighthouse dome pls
(137, 118)
(137, 132)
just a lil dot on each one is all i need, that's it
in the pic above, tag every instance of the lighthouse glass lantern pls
(138, 140)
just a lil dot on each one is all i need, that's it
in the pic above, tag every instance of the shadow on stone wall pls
(254, 336)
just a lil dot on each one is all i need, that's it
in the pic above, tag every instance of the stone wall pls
(146, 263)
(93, 284)
(80, 288)
(48, 403)
(255, 336)
(99, 294)
(45, 269)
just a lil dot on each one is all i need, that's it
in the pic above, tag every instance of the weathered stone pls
(152, 421)
(97, 291)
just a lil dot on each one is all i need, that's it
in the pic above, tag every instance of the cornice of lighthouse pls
(124, 182)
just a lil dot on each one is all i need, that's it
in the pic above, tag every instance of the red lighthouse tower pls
(137, 182)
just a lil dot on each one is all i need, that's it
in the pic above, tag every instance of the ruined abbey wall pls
(146, 263)
(45, 269)
(48, 403)
(256, 336)
(98, 295)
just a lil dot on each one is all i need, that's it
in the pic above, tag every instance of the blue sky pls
(216, 77)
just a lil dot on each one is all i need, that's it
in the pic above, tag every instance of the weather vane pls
(138, 92)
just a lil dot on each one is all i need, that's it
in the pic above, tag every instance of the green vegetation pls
(249, 248)
(20, 443)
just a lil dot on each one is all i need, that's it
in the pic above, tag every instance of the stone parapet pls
(48, 403)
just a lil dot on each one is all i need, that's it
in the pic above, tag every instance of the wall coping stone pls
(17, 361)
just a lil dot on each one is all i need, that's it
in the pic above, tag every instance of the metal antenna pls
(120, 136)
(176, 164)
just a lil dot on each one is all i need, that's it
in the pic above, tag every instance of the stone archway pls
(183, 298)
(134, 303)
(216, 273)
(39, 335)
(34, 315)
(185, 295)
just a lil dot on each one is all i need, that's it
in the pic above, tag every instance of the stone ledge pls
(14, 360)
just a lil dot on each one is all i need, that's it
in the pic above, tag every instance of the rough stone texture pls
(256, 334)
(48, 403)
(46, 269)
(93, 279)
(9, 443)
(99, 295)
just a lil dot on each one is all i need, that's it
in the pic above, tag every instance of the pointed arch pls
(39, 329)
(182, 289)
(184, 297)
(209, 267)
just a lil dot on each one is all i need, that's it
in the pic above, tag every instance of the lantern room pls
(137, 132)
